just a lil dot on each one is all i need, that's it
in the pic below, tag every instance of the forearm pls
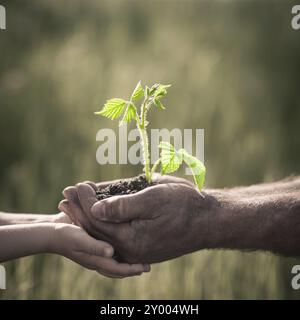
(289, 184)
(25, 218)
(268, 220)
(25, 239)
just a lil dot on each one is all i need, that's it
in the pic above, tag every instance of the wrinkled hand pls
(74, 243)
(156, 224)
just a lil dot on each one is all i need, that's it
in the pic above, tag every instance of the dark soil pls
(124, 187)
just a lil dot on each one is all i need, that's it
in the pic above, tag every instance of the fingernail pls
(147, 267)
(108, 252)
(70, 193)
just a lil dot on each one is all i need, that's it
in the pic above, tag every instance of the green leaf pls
(129, 114)
(161, 91)
(197, 167)
(113, 108)
(170, 158)
(158, 104)
(138, 92)
(153, 89)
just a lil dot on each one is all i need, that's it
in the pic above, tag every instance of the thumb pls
(95, 247)
(141, 205)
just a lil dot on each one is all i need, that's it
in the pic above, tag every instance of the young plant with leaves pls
(170, 159)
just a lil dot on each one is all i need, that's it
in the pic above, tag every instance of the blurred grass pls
(234, 70)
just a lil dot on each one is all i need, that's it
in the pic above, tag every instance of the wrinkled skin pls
(159, 223)
(172, 218)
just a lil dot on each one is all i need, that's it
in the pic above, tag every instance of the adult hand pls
(159, 223)
(74, 243)
(167, 220)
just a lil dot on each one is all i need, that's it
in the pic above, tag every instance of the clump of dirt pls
(124, 187)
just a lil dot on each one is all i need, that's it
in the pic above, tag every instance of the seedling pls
(170, 159)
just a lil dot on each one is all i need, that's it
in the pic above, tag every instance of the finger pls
(147, 267)
(141, 205)
(115, 268)
(108, 231)
(96, 228)
(74, 209)
(111, 268)
(92, 184)
(87, 199)
(123, 269)
(64, 206)
(70, 193)
(87, 196)
(118, 276)
(113, 276)
(108, 275)
(95, 247)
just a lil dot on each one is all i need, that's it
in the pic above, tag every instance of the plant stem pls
(156, 164)
(144, 140)
(145, 146)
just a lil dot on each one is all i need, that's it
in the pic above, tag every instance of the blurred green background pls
(234, 67)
